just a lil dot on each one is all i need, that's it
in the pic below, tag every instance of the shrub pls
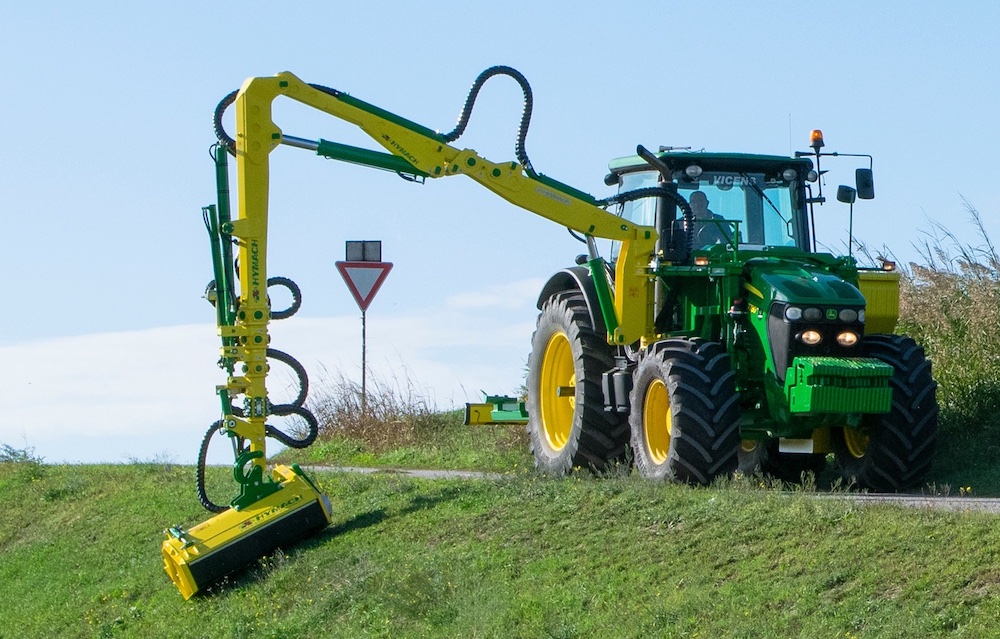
(22, 463)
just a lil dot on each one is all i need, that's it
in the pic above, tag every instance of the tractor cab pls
(739, 200)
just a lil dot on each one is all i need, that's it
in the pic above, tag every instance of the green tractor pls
(768, 355)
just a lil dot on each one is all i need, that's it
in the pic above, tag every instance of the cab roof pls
(679, 160)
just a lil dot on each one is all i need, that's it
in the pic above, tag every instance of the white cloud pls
(510, 295)
(151, 393)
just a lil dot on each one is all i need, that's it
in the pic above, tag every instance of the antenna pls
(791, 148)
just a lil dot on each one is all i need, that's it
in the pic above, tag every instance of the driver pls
(705, 232)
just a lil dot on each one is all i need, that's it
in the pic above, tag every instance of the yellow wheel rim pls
(657, 424)
(557, 399)
(856, 442)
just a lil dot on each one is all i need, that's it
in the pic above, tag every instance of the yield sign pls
(364, 279)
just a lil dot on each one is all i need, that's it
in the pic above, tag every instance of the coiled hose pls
(296, 407)
(240, 445)
(658, 191)
(522, 129)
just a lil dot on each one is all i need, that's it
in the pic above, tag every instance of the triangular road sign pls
(364, 279)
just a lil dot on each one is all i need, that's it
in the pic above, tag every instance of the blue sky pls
(107, 350)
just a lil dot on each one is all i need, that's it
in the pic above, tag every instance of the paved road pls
(957, 504)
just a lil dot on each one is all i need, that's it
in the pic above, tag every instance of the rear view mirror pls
(846, 194)
(865, 183)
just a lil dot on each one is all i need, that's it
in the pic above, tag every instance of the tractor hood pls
(796, 296)
(772, 280)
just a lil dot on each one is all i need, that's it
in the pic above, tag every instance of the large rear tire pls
(685, 414)
(567, 423)
(893, 451)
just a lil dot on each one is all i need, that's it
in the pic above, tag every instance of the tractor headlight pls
(861, 316)
(847, 339)
(812, 176)
(693, 171)
(793, 313)
(812, 314)
(810, 337)
(788, 175)
(848, 315)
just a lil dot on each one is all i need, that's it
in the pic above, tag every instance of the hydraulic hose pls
(658, 191)
(269, 430)
(286, 439)
(296, 292)
(300, 373)
(293, 288)
(220, 131)
(522, 129)
(203, 499)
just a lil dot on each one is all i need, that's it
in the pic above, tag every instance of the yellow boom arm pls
(428, 154)
(425, 153)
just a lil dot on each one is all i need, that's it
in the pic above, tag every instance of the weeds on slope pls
(951, 305)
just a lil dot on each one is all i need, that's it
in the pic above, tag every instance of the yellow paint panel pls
(881, 291)
(185, 558)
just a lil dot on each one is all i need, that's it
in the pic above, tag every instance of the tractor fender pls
(576, 278)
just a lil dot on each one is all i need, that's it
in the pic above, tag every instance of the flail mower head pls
(197, 558)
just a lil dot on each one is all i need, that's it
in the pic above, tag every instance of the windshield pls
(763, 207)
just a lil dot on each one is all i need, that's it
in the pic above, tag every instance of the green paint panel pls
(838, 385)
(366, 157)
(564, 188)
(507, 410)
(604, 296)
(391, 117)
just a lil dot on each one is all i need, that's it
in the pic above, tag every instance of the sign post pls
(364, 272)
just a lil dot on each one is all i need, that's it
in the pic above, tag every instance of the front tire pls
(567, 423)
(685, 415)
(893, 451)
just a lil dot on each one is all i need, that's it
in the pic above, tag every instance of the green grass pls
(445, 443)
(521, 557)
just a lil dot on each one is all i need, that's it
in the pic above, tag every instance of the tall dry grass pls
(390, 414)
(950, 304)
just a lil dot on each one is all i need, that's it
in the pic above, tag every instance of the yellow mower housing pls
(201, 556)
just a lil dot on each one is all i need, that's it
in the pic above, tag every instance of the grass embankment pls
(533, 557)
(400, 428)
(520, 557)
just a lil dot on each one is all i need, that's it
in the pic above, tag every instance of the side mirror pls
(865, 183)
(846, 194)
